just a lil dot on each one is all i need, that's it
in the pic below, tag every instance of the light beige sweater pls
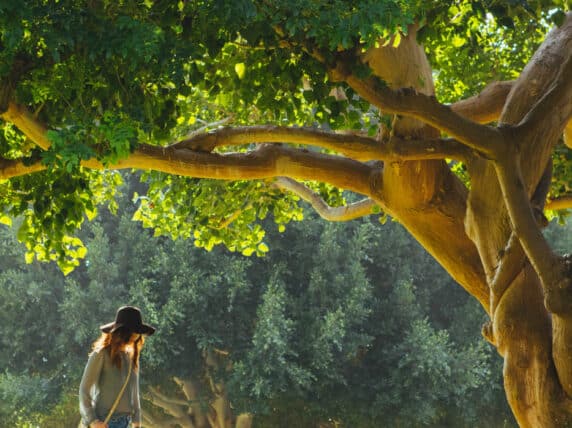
(100, 385)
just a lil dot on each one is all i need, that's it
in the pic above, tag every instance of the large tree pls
(92, 86)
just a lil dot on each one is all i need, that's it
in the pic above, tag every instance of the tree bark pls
(533, 344)
(470, 232)
(424, 195)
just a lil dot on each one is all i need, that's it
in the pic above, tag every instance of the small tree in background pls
(298, 338)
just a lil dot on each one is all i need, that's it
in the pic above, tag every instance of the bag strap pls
(120, 393)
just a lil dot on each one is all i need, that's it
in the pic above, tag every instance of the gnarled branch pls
(343, 213)
(426, 108)
(175, 408)
(268, 161)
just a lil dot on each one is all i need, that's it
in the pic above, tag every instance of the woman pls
(113, 362)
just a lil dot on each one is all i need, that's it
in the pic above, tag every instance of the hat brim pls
(142, 329)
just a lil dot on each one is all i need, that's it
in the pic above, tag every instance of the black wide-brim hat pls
(129, 318)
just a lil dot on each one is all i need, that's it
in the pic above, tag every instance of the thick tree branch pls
(16, 168)
(343, 213)
(426, 108)
(544, 261)
(173, 407)
(268, 161)
(166, 399)
(176, 160)
(28, 124)
(560, 203)
(350, 145)
(487, 106)
(357, 147)
(265, 162)
(554, 108)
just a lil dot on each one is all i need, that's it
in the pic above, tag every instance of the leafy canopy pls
(107, 76)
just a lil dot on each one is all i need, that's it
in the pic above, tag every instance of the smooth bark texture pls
(536, 373)
(424, 195)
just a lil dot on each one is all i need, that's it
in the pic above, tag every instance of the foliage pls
(211, 212)
(308, 335)
(107, 76)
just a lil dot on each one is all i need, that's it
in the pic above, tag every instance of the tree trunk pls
(197, 404)
(191, 405)
(470, 232)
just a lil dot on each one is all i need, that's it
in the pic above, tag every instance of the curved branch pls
(265, 162)
(487, 106)
(197, 402)
(354, 146)
(426, 108)
(268, 161)
(158, 399)
(166, 399)
(350, 145)
(343, 213)
(357, 147)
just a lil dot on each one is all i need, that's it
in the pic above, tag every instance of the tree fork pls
(533, 344)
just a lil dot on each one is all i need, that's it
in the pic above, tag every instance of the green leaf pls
(240, 70)
(5, 219)
(29, 257)
(248, 252)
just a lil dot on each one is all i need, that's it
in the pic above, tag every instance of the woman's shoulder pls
(99, 353)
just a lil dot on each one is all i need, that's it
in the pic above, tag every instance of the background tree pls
(290, 339)
(92, 86)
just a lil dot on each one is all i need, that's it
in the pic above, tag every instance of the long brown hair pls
(121, 340)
